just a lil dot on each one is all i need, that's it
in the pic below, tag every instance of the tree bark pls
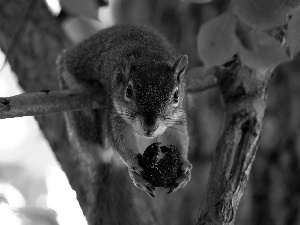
(47, 102)
(244, 92)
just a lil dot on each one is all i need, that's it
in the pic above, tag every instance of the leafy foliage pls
(289, 6)
(216, 42)
(259, 14)
(245, 29)
(262, 51)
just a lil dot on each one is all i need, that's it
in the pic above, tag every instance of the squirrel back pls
(97, 58)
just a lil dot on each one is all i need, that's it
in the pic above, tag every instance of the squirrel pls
(143, 78)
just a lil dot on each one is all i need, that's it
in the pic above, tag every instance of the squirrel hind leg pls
(87, 126)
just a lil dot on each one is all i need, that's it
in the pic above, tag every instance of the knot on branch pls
(245, 151)
(4, 104)
(246, 121)
(237, 81)
(224, 210)
(239, 117)
(251, 126)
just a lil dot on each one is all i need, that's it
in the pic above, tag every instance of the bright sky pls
(22, 143)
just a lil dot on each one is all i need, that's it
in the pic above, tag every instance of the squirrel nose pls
(149, 123)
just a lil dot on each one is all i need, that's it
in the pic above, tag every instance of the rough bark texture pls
(32, 39)
(244, 92)
(47, 102)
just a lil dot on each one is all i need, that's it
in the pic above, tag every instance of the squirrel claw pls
(147, 188)
(173, 187)
(170, 191)
(150, 190)
(183, 178)
(151, 194)
(135, 173)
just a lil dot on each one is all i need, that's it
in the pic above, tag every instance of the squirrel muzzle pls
(149, 124)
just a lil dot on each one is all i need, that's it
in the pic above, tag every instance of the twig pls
(200, 79)
(45, 102)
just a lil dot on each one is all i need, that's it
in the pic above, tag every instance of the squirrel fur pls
(143, 78)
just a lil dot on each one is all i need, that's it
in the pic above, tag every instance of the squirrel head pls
(149, 94)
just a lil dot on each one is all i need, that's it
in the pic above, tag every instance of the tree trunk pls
(244, 91)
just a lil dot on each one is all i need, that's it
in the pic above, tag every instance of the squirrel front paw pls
(135, 173)
(183, 177)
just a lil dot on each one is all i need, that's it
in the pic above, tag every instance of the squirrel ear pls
(180, 66)
(128, 65)
(123, 71)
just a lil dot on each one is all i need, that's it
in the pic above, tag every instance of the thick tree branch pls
(46, 102)
(200, 79)
(244, 92)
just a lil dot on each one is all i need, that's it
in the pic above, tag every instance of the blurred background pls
(34, 190)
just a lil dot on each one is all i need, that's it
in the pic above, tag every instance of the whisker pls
(176, 129)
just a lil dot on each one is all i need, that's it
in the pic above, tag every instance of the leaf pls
(86, 8)
(260, 14)
(196, 1)
(216, 41)
(293, 33)
(261, 50)
(289, 6)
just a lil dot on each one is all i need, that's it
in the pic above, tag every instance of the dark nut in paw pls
(161, 164)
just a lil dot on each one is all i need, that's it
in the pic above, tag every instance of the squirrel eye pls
(176, 97)
(129, 91)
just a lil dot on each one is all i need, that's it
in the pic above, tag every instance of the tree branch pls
(46, 102)
(200, 79)
(244, 92)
